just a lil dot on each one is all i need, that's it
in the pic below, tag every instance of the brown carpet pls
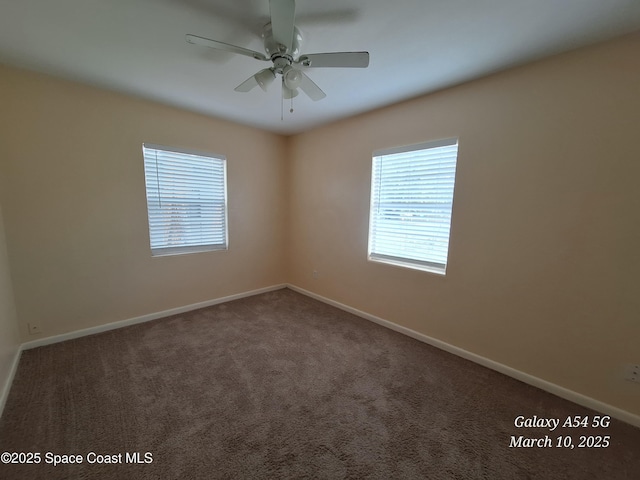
(282, 386)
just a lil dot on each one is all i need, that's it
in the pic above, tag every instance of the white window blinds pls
(186, 200)
(411, 203)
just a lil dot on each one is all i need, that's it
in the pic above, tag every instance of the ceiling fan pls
(282, 41)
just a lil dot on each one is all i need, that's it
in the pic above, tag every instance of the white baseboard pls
(144, 318)
(557, 390)
(4, 394)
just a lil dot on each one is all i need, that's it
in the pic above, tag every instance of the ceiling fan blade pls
(313, 91)
(206, 42)
(282, 21)
(247, 85)
(336, 59)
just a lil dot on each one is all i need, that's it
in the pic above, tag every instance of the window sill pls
(441, 271)
(167, 252)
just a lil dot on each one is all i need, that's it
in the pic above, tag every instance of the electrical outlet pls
(315, 274)
(34, 329)
(632, 373)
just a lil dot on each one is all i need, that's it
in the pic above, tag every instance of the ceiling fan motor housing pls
(280, 62)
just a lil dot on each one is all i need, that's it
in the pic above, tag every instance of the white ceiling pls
(416, 46)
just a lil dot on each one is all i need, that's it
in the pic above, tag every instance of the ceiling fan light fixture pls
(292, 77)
(265, 78)
(288, 93)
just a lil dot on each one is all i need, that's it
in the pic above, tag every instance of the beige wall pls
(544, 268)
(9, 336)
(73, 196)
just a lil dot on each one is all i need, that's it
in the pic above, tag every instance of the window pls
(411, 202)
(186, 200)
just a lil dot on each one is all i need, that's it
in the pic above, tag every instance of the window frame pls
(187, 249)
(404, 261)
